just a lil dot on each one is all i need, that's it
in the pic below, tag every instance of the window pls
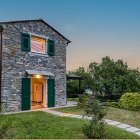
(38, 45)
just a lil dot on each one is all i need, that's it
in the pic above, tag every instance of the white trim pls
(30, 93)
(41, 36)
(43, 73)
(39, 54)
(37, 35)
(45, 93)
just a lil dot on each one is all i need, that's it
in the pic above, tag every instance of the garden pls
(117, 114)
(115, 95)
(112, 83)
(41, 125)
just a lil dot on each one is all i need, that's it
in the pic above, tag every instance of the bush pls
(82, 101)
(104, 98)
(95, 128)
(112, 104)
(6, 124)
(130, 101)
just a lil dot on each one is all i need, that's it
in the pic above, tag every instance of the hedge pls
(105, 98)
(130, 101)
(112, 104)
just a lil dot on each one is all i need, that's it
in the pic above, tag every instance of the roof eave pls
(68, 41)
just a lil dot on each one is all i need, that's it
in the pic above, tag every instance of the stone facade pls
(15, 62)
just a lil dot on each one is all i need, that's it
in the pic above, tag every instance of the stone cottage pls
(33, 66)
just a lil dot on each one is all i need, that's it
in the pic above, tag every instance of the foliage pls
(105, 98)
(111, 77)
(82, 101)
(108, 80)
(72, 89)
(95, 110)
(113, 104)
(130, 101)
(73, 99)
(73, 85)
(6, 124)
(94, 130)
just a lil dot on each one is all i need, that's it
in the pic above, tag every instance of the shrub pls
(82, 100)
(5, 124)
(104, 98)
(113, 104)
(95, 128)
(130, 101)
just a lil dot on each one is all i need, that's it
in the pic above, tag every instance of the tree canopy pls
(108, 77)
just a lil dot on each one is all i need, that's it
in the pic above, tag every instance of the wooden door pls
(38, 93)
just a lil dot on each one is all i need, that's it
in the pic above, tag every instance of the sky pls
(97, 28)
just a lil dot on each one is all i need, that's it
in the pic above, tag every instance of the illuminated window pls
(38, 45)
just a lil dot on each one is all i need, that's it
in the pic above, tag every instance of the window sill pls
(38, 54)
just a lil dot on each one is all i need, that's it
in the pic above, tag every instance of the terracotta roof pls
(41, 20)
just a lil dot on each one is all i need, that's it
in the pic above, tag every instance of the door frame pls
(45, 92)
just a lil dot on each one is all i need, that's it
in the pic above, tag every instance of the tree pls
(72, 85)
(111, 77)
(107, 78)
(95, 128)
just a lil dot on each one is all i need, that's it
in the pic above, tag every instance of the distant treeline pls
(108, 79)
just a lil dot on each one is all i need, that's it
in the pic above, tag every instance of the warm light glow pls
(38, 45)
(38, 76)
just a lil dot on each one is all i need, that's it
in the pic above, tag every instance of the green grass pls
(41, 125)
(73, 99)
(71, 110)
(122, 115)
(125, 116)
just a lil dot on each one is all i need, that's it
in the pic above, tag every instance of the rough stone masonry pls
(15, 62)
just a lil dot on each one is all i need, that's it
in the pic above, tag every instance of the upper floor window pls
(35, 44)
(38, 45)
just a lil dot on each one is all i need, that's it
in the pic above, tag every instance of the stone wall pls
(15, 62)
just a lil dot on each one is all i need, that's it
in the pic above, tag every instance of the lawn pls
(41, 125)
(122, 115)
(73, 99)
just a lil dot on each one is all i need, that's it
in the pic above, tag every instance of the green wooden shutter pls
(25, 42)
(51, 93)
(26, 94)
(51, 47)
